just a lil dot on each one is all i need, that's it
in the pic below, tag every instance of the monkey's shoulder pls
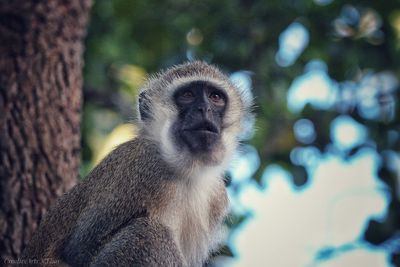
(139, 157)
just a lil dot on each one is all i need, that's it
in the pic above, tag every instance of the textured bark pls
(40, 101)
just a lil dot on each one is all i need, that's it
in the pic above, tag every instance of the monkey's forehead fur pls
(161, 86)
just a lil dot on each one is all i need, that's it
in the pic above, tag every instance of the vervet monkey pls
(159, 199)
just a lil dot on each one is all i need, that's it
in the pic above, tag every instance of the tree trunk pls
(40, 102)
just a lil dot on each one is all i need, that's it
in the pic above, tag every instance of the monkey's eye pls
(185, 97)
(217, 98)
(187, 94)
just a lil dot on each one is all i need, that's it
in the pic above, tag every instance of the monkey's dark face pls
(201, 108)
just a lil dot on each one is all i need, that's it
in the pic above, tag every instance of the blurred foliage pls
(129, 39)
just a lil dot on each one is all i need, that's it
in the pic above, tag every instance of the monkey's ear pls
(144, 106)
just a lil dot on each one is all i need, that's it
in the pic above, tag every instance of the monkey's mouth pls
(201, 136)
(203, 127)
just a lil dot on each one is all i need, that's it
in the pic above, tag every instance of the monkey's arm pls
(142, 243)
(96, 225)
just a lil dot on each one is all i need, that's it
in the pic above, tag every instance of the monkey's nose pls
(204, 106)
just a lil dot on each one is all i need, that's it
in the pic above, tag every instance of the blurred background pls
(317, 183)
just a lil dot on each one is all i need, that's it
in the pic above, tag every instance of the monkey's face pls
(195, 114)
(201, 107)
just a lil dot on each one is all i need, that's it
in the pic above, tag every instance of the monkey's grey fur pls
(149, 202)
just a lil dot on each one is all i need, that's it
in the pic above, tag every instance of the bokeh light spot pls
(194, 37)
(347, 133)
(292, 43)
(305, 156)
(313, 87)
(304, 131)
